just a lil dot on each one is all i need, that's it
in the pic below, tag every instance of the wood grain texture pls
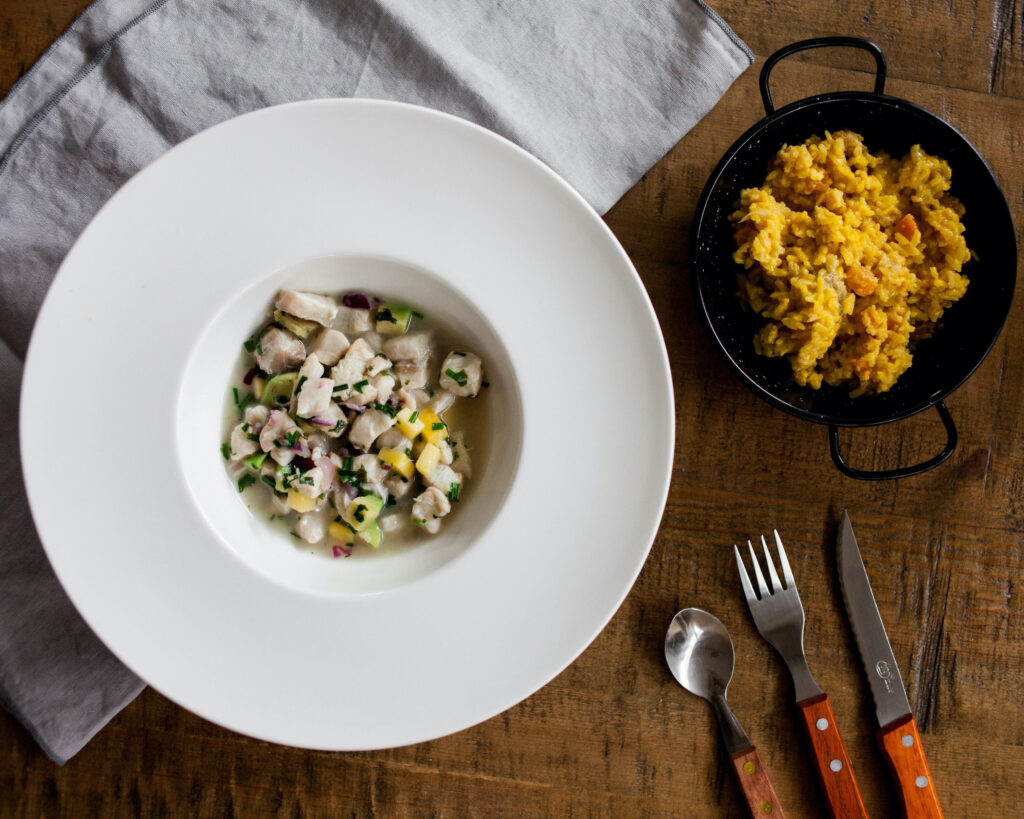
(902, 747)
(756, 785)
(835, 772)
(613, 735)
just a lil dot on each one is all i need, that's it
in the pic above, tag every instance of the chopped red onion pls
(249, 376)
(338, 550)
(357, 301)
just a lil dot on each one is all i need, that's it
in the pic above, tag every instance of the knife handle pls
(835, 773)
(902, 748)
(757, 788)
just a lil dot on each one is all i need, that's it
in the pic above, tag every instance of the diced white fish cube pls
(441, 401)
(311, 526)
(409, 347)
(311, 367)
(460, 456)
(375, 340)
(309, 306)
(371, 466)
(445, 449)
(256, 415)
(383, 385)
(365, 429)
(444, 478)
(279, 351)
(329, 346)
(352, 321)
(461, 374)
(399, 487)
(331, 421)
(378, 364)
(241, 444)
(390, 523)
(314, 397)
(413, 399)
(394, 439)
(429, 507)
(362, 394)
(412, 374)
(276, 431)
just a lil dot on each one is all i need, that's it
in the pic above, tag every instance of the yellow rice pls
(845, 281)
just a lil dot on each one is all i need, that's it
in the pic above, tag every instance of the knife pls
(897, 731)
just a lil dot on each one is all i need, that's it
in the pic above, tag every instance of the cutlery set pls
(700, 655)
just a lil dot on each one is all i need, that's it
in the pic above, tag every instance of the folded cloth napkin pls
(599, 91)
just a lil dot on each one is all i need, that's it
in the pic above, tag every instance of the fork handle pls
(757, 787)
(835, 774)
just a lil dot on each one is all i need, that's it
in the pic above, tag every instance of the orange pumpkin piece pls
(860, 280)
(907, 226)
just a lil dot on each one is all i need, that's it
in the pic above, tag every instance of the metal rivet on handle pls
(921, 782)
(749, 767)
(908, 740)
(836, 765)
(766, 806)
(821, 724)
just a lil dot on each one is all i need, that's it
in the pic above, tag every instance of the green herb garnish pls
(414, 416)
(453, 492)
(245, 482)
(249, 345)
(269, 482)
(225, 450)
(359, 386)
(458, 376)
(437, 425)
(298, 386)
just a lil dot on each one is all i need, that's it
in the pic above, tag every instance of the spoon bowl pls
(699, 653)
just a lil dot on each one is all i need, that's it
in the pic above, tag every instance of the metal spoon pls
(700, 654)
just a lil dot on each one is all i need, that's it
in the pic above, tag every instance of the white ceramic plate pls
(125, 384)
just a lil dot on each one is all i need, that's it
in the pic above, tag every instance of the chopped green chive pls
(437, 425)
(298, 386)
(225, 450)
(338, 427)
(269, 482)
(453, 492)
(292, 437)
(306, 480)
(252, 436)
(259, 348)
(340, 387)
(417, 314)
(359, 387)
(249, 345)
(414, 416)
(458, 376)
(245, 482)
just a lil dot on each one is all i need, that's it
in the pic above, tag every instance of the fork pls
(779, 617)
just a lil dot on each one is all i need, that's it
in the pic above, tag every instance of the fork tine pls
(774, 575)
(748, 590)
(761, 585)
(786, 571)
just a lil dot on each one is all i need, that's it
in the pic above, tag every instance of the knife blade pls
(897, 730)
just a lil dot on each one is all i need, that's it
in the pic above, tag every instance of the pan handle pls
(904, 471)
(821, 42)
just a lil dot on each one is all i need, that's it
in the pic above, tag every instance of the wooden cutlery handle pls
(757, 788)
(835, 773)
(902, 748)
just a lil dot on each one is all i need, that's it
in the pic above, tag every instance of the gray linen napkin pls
(599, 91)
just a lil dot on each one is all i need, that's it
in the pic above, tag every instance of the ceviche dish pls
(346, 421)
(851, 258)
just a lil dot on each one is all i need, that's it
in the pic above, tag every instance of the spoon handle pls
(757, 788)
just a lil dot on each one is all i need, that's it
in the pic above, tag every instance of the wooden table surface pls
(614, 735)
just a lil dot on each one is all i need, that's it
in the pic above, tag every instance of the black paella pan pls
(968, 329)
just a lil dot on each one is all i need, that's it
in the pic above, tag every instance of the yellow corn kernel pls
(431, 432)
(299, 502)
(428, 460)
(399, 461)
(340, 532)
(407, 424)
